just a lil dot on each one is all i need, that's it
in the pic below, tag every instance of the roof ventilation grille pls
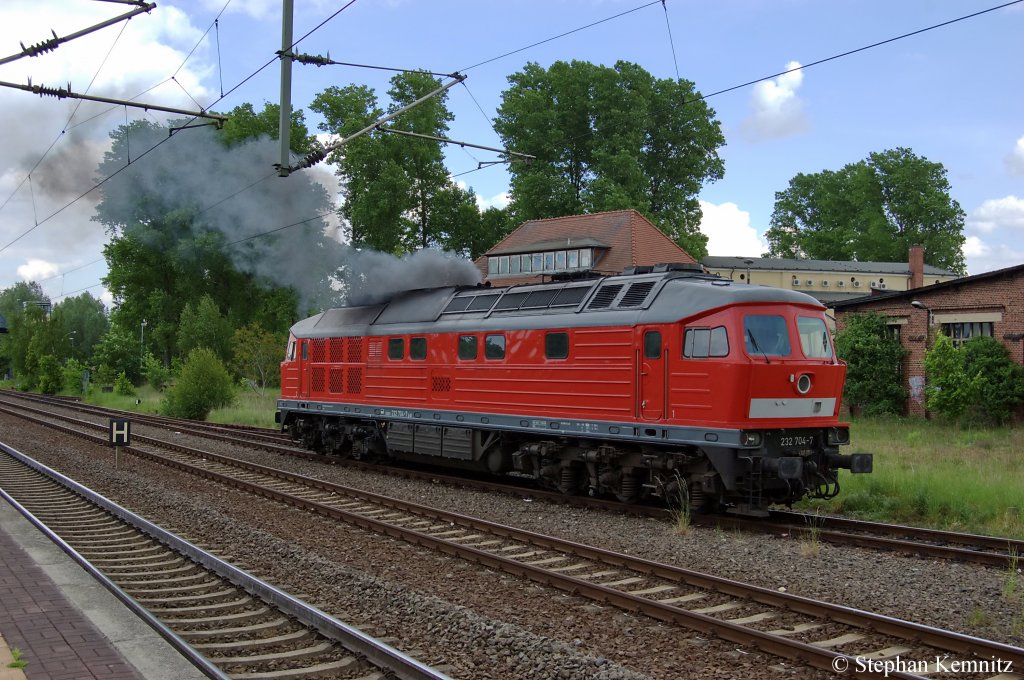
(604, 296)
(636, 294)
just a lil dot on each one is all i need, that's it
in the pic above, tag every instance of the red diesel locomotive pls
(661, 381)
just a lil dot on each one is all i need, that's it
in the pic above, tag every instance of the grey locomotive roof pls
(788, 264)
(613, 300)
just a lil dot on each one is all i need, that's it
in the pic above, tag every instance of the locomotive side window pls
(494, 347)
(701, 343)
(418, 348)
(814, 339)
(467, 347)
(766, 335)
(652, 345)
(305, 350)
(291, 351)
(396, 348)
(556, 346)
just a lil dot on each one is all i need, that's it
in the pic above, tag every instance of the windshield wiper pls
(753, 341)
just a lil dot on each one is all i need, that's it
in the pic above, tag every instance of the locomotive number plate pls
(796, 441)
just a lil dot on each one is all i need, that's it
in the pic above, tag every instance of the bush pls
(124, 386)
(873, 357)
(154, 371)
(50, 375)
(73, 371)
(977, 382)
(204, 384)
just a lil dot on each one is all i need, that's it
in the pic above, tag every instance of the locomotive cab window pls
(766, 335)
(556, 346)
(814, 340)
(701, 343)
(652, 345)
(418, 349)
(494, 347)
(305, 350)
(467, 347)
(396, 348)
(291, 351)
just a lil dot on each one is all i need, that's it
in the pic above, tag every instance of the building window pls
(494, 347)
(396, 348)
(556, 346)
(526, 261)
(960, 333)
(418, 348)
(574, 259)
(467, 347)
(536, 263)
(549, 262)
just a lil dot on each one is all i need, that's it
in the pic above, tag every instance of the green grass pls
(249, 409)
(18, 661)
(937, 475)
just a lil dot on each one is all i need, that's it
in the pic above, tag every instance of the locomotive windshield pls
(766, 335)
(814, 338)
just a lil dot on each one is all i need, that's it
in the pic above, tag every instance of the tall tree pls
(610, 138)
(398, 194)
(872, 210)
(20, 305)
(192, 219)
(84, 320)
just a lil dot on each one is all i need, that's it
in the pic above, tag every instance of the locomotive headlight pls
(803, 383)
(838, 435)
(750, 438)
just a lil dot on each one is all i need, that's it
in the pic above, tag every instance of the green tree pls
(950, 389)
(398, 196)
(20, 305)
(84, 320)
(257, 356)
(51, 377)
(118, 352)
(872, 210)
(154, 371)
(873, 357)
(204, 384)
(202, 325)
(198, 218)
(73, 376)
(610, 138)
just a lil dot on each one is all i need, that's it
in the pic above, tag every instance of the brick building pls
(984, 304)
(605, 242)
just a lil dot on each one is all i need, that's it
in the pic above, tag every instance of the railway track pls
(931, 543)
(815, 633)
(227, 622)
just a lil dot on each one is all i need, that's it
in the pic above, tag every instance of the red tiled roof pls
(631, 239)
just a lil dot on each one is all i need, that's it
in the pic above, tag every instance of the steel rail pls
(352, 639)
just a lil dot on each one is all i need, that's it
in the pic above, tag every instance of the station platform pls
(65, 625)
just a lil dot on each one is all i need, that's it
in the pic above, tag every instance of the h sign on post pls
(120, 432)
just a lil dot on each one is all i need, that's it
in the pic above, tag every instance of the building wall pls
(837, 282)
(1000, 296)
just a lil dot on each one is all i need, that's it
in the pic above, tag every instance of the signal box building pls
(989, 304)
(606, 243)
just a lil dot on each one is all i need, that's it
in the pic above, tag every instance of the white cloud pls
(1015, 159)
(975, 247)
(729, 230)
(33, 270)
(996, 213)
(777, 111)
(499, 201)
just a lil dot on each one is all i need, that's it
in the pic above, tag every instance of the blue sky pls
(954, 95)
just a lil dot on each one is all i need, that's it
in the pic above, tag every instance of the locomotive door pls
(651, 369)
(303, 362)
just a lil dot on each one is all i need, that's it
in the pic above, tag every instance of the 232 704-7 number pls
(796, 442)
